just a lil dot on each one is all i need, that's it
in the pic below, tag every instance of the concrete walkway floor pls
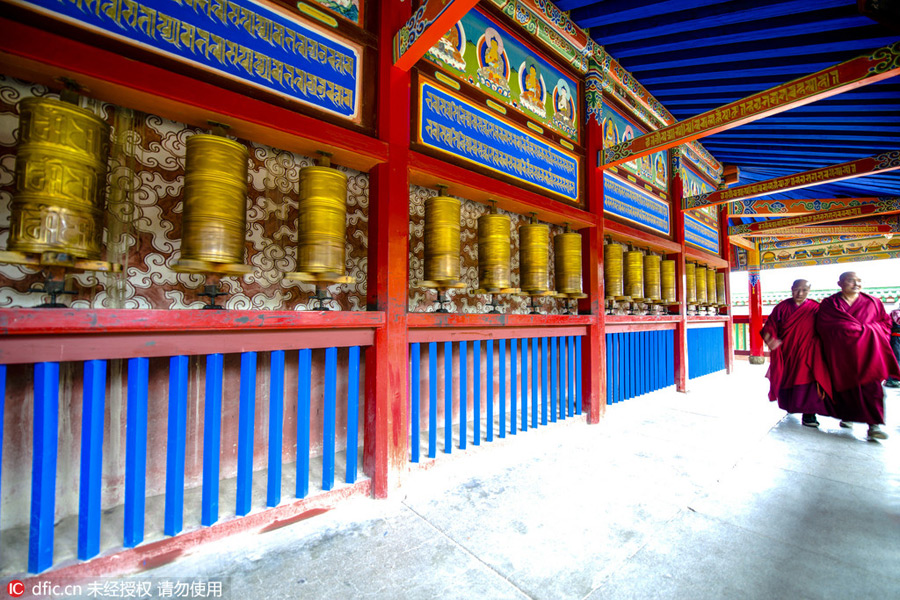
(711, 494)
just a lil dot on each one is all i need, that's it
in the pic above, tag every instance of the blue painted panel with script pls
(700, 235)
(451, 124)
(238, 38)
(635, 205)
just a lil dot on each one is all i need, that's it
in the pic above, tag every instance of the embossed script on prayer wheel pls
(711, 292)
(651, 277)
(690, 277)
(634, 275)
(567, 263)
(534, 259)
(720, 288)
(493, 253)
(613, 271)
(442, 246)
(215, 201)
(667, 272)
(702, 298)
(60, 180)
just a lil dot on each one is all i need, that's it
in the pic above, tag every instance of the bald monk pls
(855, 332)
(798, 377)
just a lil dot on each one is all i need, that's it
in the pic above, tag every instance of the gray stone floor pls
(711, 494)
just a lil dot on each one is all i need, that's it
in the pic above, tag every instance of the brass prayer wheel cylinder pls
(634, 275)
(567, 263)
(711, 291)
(612, 270)
(61, 163)
(652, 282)
(493, 252)
(720, 288)
(322, 222)
(667, 270)
(442, 240)
(701, 286)
(215, 200)
(690, 276)
(534, 258)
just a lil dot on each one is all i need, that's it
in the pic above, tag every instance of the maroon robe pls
(856, 343)
(798, 376)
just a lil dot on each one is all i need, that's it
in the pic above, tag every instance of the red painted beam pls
(441, 334)
(429, 171)
(676, 190)
(31, 321)
(491, 321)
(43, 57)
(861, 228)
(642, 319)
(857, 72)
(827, 216)
(705, 257)
(429, 24)
(806, 206)
(725, 248)
(593, 352)
(882, 163)
(639, 237)
(631, 327)
(756, 320)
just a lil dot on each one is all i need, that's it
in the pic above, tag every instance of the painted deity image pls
(493, 71)
(564, 107)
(534, 93)
(451, 48)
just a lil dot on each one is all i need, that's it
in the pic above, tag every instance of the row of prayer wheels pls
(442, 252)
(636, 276)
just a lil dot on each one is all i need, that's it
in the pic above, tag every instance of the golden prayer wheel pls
(534, 259)
(494, 253)
(567, 262)
(667, 269)
(442, 242)
(61, 160)
(711, 291)
(322, 225)
(634, 275)
(720, 288)
(613, 271)
(215, 205)
(652, 282)
(702, 298)
(690, 276)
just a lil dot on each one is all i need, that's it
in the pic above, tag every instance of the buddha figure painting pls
(450, 48)
(660, 169)
(564, 108)
(610, 134)
(493, 71)
(534, 93)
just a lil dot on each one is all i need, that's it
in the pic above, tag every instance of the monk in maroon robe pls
(855, 332)
(798, 377)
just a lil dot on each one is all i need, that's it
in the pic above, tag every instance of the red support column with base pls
(756, 320)
(594, 352)
(676, 191)
(387, 374)
(725, 252)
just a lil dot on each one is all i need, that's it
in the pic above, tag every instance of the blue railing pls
(542, 376)
(638, 362)
(706, 350)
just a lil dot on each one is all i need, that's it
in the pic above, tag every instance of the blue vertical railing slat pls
(176, 445)
(524, 404)
(489, 397)
(136, 450)
(476, 391)
(276, 427)
(90, 487)
(415, 388)
(463, 393)
(534, 382)
(642, 361)
(563, 379)
(554, 381)
(501, 430)
(329, 416)
(432, 399)
(304, 389)
(212, 432)
(543, 381)
(448, 397)
(670, 356)
(570, 371)
(43, 466)
(246, 418)
(607, 339)
(513, 385)
(578, 375)
(638, 364)
(352, 416)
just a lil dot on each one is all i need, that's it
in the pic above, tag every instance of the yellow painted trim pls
(447, 80)
(535, 128)
(497, 107)
(317, 14)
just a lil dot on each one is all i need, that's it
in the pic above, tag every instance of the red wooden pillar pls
(676, 191)
(594, 353)
(756, 321)
(387, 373)
(725, 252)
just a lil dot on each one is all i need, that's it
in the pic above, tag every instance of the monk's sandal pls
(875, 433)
